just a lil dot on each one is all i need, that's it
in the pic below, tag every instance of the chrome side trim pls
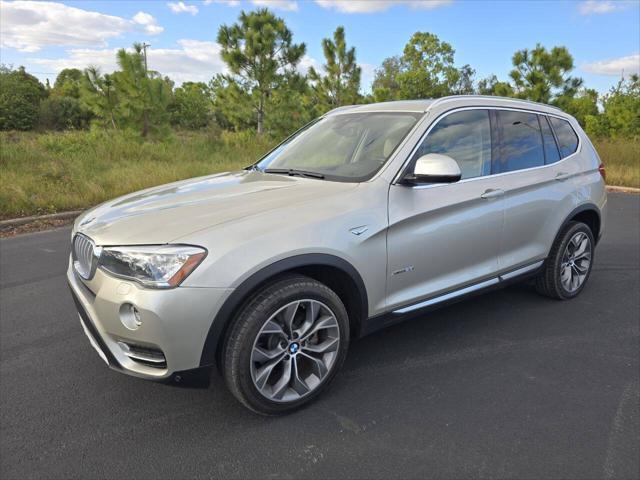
(521, 271)
(471, 288)
(448, 296)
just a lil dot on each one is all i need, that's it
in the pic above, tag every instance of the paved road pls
(506, 385)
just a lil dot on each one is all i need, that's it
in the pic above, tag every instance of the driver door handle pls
(562, 176)
(492, 193)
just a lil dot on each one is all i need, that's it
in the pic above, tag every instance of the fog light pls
(130, 316)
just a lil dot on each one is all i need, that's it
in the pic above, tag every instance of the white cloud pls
(194, 60)
(181, 7)
(368, 74)
(148, 22)
(615, 66)
(288, 5)
(28, 26)
(597, 6)
(230, 3)
(371, 6)
(306, 63)
(81, 58)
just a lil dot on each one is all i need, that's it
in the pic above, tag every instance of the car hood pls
(163, 214)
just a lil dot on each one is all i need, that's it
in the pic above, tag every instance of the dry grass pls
(54, 172)
(621, 159)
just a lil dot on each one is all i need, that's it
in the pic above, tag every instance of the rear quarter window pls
(551, 152)
(566, 135)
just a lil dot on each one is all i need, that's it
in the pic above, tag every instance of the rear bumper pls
(174, 324)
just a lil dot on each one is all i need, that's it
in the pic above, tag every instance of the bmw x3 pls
(366, 216)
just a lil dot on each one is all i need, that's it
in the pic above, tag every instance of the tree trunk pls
(260, 114)
(145, 124)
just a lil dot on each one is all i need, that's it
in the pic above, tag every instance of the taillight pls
(602, 171)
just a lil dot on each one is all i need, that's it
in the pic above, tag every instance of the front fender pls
(236, 300)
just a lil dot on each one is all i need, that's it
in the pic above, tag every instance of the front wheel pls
(286, 345)
(568, 266)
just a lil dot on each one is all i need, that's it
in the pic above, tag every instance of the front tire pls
(568, 266)
(286, 345)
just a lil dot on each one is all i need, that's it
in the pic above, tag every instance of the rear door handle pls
(492, 193)
(562, 176)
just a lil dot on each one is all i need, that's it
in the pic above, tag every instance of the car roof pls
(396, 106)
(453, 100)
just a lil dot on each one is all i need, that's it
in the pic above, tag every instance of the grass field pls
(54, 172)
(621, 159)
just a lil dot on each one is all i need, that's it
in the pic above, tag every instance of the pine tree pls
(98, 94)
(143, 95)
(260, 52)
(341, 82)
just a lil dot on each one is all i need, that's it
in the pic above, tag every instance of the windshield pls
(347, 147)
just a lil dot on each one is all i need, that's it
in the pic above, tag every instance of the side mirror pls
(434, 168)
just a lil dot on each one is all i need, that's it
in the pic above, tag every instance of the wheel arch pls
(587, 213)
(335, 272)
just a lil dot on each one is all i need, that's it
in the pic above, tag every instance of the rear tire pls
(569, 263)
(286, 345)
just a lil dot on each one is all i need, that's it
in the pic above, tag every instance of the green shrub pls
(20, 95)
(191, 107)
(63, 113)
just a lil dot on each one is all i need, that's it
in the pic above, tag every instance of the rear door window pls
(551, 153)
(567, 138)
(520, 143)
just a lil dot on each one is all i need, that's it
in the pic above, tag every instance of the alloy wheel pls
(576, 261)
(295, 350)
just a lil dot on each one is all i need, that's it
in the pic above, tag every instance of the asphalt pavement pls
(507, 385)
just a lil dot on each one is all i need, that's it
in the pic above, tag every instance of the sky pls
(602, 35)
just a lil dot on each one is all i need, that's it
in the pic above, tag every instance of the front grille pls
(83, 256)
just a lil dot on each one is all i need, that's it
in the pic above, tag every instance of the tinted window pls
(567, 138)
(520, 141)
(464, 136)
(551, 153)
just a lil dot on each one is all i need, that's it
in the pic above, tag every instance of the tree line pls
(266, 92)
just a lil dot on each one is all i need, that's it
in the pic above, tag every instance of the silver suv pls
(366, 215)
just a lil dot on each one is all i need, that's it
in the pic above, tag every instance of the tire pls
(274, 334)
(552, 280)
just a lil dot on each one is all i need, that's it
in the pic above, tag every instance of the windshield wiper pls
(293, 171)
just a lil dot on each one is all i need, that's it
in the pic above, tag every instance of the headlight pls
(162, 266)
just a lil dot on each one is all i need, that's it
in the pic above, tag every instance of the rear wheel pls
(286, 345)
(569, 263)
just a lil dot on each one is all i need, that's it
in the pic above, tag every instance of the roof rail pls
(337, 109)
(490, 97)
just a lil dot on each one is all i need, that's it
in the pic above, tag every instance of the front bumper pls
(174, 322)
